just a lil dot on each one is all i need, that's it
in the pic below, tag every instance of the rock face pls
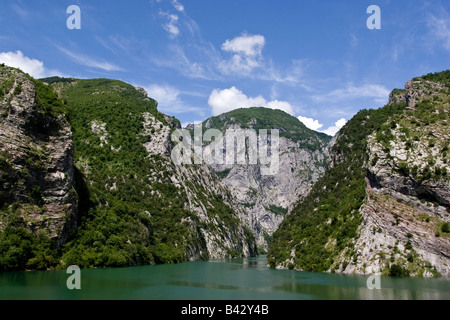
(263, 200)
(36, 156)
(382, 206)
(149, 209)
(408, 187)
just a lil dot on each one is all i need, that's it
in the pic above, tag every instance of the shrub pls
(445, 227)
(397, 271)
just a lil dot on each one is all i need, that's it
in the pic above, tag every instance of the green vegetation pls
(440, 77)
(22, 249)
(445, 227)
(277, 210)
(325, 223)
(397, 271)
(127, 218)
(289, 126)
(53, 80)
(120, 226)
(223, 174)
(130, 212)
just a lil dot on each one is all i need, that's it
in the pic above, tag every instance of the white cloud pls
(247, 54)
(337, 126)
(378, 92)
(163, 94)
(310, 123)
(316, 125)
(245, 45)
(33, 67)
(170, 26)
(222, 101)
(90, 62)
(177, 5)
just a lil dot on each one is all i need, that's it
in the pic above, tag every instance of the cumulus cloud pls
(163, 94)
(229, 99)
(316, 125)
(33, 67)
(310, 123)
(337, 126)
(248, 45)
(247, 53)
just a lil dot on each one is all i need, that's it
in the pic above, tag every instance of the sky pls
(320, 61)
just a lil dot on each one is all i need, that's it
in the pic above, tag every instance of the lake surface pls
(234, 279)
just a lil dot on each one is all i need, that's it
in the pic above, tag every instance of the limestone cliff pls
(149, 209)
(264, 200)
(36, 162)
(408, 186)
(383, 204)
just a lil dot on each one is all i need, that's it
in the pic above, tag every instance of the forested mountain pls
(383, 205)
(134, 205)
(262, 201)
(87, 178)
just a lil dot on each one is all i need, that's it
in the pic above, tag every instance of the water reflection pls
(219, 279)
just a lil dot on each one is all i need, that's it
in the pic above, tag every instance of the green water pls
(234, 279)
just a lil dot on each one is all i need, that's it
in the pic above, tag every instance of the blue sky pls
(316, 60)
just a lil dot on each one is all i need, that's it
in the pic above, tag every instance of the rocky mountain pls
(263, 200)
(103, 142)
(38, 201)
(87, 178)
(383, 204)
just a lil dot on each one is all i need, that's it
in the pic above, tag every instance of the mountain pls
(38, 201)
(87, 177)
(383, 205)
(262, 201)
(102, 146)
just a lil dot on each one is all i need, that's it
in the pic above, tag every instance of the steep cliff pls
(383, 205)
(38, 202)
(138, 207)
(263, 200)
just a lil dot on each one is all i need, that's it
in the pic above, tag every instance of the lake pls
(230, 279)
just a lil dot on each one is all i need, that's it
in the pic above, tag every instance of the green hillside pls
(289, 126)
(325, 223)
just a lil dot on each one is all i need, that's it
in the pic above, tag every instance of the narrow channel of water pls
(233, 279)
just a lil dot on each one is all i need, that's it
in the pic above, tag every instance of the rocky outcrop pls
(200, 184)
(36, 152)
(264, 200)
(408, 188)
(382, 206)
(400, 229)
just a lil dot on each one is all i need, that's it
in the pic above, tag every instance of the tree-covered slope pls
(86, 178)
(137, 206)
(324, 230)
(289, 126)
(262, 201)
